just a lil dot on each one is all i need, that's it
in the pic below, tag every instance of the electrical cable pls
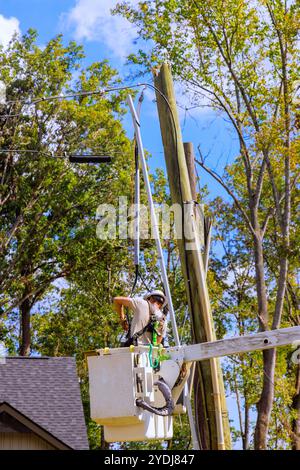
(101, 92)
(137, 203)
(71, 95)
(52, 154)
(138, 274)
(181, 196)
(108, 90)
(180, 187)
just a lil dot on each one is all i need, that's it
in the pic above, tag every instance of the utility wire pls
(102, 91)
(66, 155)
(108, 90)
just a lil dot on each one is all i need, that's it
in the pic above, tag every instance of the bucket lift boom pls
(121, 377)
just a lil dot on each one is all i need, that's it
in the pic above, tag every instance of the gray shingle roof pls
(46, 390)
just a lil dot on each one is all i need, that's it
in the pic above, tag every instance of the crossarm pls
(240, 344)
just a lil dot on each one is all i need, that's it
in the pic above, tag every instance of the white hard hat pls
(158, 293)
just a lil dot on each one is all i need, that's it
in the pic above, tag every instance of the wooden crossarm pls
(239, 344)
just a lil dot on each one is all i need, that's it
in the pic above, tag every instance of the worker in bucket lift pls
(148, 324)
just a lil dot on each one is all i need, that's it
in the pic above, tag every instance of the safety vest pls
(151, 327)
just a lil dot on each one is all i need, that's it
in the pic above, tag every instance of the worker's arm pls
(159, 339)
(119, 304)
(162, 334)
(126, 301)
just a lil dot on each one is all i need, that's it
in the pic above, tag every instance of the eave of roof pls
(34, 427)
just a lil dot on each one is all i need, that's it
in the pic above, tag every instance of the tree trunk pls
(238, 402)
(264, 406)
(262, 300)
(247, 427)
(296, 407)
(104, 444)
(25, 308)
(281, 290)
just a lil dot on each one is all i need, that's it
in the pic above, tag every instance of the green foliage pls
(229, 55)
(48, 225)
(242, 60)
(51, 256)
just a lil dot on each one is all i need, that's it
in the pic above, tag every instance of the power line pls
(72, 157)
(102, 91)
(70, 95)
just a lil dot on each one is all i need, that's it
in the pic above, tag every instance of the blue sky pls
(90, 23)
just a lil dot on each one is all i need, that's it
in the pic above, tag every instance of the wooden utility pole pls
(203, 223)
(212, 417)
(190, 163)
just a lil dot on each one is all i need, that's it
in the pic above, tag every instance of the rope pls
(154, 364)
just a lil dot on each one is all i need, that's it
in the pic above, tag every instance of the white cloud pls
(92, 20)
(8, 26)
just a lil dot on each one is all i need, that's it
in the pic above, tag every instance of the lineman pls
(148, 322)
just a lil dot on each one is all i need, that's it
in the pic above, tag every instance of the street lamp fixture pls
(90, 159)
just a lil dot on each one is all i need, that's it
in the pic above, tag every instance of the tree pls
(242, 60)
(81, 317)
(48, 206)
(232, 267)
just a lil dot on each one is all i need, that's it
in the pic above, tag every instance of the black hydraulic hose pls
(137, 203)
(166, 410)
(135, 279)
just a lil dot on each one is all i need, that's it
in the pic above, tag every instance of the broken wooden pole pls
(214, 430)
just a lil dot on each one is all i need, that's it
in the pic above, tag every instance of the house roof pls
(46, 391)
(11, 420)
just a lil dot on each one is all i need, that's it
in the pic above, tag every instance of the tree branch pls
(228, 190)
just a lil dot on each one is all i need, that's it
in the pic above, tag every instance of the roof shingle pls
(46, 390)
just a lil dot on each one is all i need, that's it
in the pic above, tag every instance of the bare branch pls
(259, 183)
(228, 63)
(228, 190)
